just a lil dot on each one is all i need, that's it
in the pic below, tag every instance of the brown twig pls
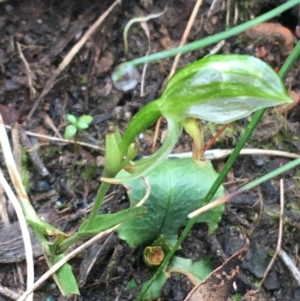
(157, 126)
(213, 140)
(28, 73)
(33, 154)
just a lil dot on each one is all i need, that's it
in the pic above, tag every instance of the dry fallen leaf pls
(273, 33)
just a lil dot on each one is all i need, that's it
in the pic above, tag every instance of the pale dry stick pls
(7, 292)
(215, 154)
(147, 32)
(236, 13)
(16, 179)
(185, 35)
(70, 56)
(216, 48)
(3, 208)
(72, 254)
(49, 123)
(28, 73)
(143, 21)
(228, 13)
(15, 140)
(63, 261)
(24, 229)
(279, 240)
(101, 149)
(214, 7)
(290, 265)
(208, 207)
(138, 20)
(156, 132)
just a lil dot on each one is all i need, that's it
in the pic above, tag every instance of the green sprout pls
(76, 125)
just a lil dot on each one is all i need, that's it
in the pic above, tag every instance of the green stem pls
(255, 120)
(143, 119)
(278, 171)
(215, 38)
(63, 246)
(98, 203)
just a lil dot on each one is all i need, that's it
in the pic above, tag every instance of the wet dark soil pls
(63, 181)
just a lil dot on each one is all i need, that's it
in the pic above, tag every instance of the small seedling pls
(76, 125)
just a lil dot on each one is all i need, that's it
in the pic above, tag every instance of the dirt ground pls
(63, 178)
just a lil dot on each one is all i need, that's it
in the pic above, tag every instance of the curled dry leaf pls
(273, 33)
(217, 285)
(9, 114)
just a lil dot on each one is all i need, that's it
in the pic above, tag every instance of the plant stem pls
(98, 203)
(63, 247)
(215, 38)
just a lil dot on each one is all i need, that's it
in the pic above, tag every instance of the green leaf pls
(222, 88)
(70, 131)
(107, 221)
(112, 155)
(177, 188)
(64, 277)
(195, 271)
(87, 119)
(71, 118)
(131, 284)
(82, 125)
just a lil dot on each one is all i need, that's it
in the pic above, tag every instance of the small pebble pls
(42, 186)
(10, 85)
(257, 160)
(9, 7)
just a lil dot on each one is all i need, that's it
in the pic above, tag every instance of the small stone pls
(42, 186)
(272, 282)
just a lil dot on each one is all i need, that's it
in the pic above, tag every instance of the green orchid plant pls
(218, 88)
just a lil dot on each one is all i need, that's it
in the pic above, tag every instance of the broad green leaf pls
(177, 188)
(70, 131)
(195, 271)
(222, 88)
(109, 220)
(71, 118)
(64, 277)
